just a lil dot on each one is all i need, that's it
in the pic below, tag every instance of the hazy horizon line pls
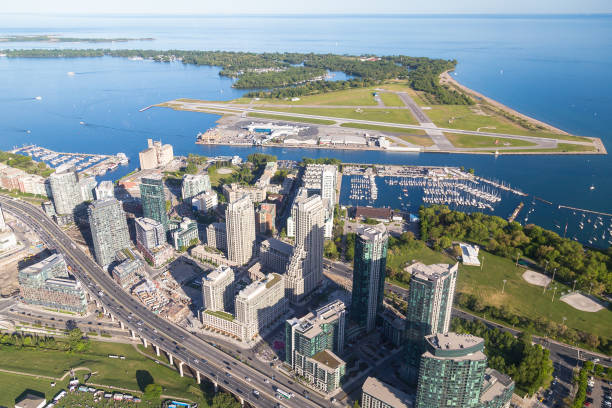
(387, 14)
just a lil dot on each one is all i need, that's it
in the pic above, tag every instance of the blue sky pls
(307, 6)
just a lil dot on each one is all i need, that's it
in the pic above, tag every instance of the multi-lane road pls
(195, 353)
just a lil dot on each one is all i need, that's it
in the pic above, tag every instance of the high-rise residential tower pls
(149, 233)
(312, 344)
(65, 191)
(153, 199)
(369, 274)
(308, 215)
(109, 230)
(453, 372)
(194, 184)
(218, 289)
(240, 229)
(430, 300)
(260, 305)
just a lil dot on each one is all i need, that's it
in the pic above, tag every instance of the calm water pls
(555, 69)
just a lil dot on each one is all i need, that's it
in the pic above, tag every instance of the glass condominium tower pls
(451, 371)
(369, 274)
(154, 200)
(430, 301)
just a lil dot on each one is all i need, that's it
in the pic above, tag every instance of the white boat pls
(38, 98)
(70, 73)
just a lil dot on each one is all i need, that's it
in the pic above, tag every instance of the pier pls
(585, 211)
(516, 212)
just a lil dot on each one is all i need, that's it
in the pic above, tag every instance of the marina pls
(407, 188)
(87, 164)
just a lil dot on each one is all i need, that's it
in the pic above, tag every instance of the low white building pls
(469, 254)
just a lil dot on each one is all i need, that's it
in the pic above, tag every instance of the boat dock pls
(585, 211)
(516, 212)
(89, 164)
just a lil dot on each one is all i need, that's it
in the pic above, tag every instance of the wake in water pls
(13, 100)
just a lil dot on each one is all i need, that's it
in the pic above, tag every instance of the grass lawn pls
(561, 148)
(292, 119)
(525, 299)
(14, 385)
(111, 372)
(349, 97)
(403, 87)
(471, 118)
(390, 99)
(398, 257)
(389, 129)
(217, 178)
(379, 115)
(460, 140)
(418, 140)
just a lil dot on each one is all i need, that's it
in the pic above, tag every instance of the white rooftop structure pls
(469, 254)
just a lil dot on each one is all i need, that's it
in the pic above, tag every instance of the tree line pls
(286, 71)
(589, 267)
(274, 79)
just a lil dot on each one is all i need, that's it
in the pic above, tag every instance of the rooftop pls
(430, 272)
(310, 325)
(259, 287)
(147, 223)
(219, 273)
(372, 232)
(222, 315)
(494, 385)
(371, 212)
(30, 401)
(387, 394)
(328, 359)
(455, 345)
(278, 246)
(45, 263)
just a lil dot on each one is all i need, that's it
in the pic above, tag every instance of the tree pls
(356, 404)
(191, 168)
(76, 342)
(330, 251)
(224, 400)
(152, 392)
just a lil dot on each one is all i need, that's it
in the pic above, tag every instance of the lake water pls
(553, 68)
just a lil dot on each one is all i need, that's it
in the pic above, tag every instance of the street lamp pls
(546, 268)
(504, 286)
(591, 288)
(554, 292)
(574, 288)
(564, 319)
(518, 254)
(554, 272)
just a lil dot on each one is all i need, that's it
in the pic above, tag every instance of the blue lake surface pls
(556, 69)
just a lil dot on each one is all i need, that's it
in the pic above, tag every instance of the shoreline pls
(446, 78)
